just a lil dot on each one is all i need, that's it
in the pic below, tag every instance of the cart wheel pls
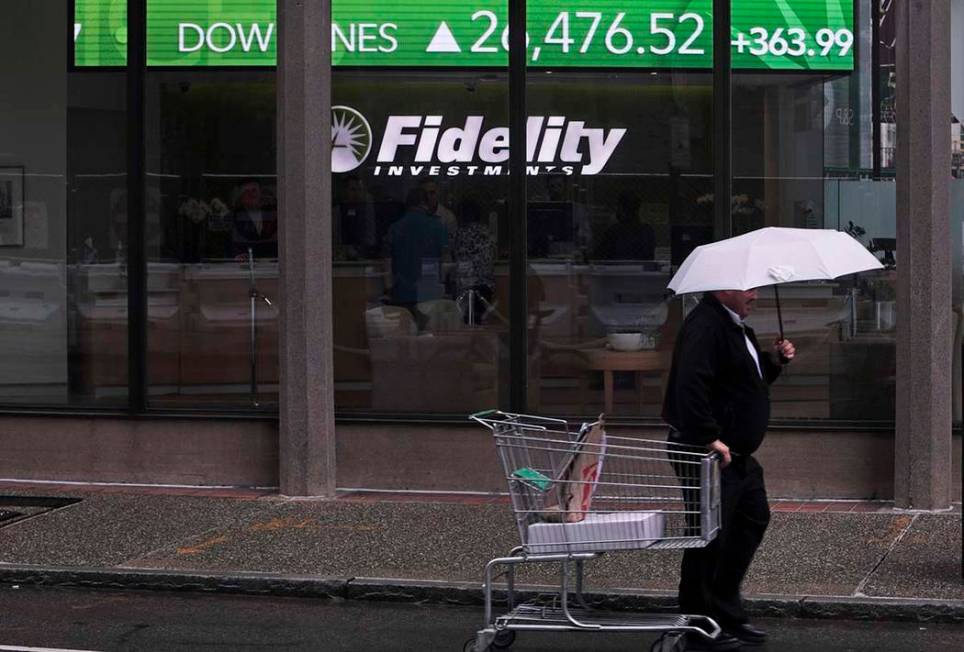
(470, 646)
(669, 642)
(504, 639)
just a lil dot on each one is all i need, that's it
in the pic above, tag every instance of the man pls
(254, 226)
(718, 396)
(354, 220)
(416, 239)
(435, 207)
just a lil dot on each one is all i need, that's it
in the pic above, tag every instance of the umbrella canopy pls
(770, 256)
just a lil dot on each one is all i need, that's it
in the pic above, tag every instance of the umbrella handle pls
(776, 290)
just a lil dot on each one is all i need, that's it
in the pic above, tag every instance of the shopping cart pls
(577, 493)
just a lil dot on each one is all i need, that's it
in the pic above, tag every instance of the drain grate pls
(14, 509)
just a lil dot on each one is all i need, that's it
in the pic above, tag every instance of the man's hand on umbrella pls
(784, 350)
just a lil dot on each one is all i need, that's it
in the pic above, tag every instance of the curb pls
(435, 592)
(169, 580)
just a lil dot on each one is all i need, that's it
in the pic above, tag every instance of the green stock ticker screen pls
(766, 34)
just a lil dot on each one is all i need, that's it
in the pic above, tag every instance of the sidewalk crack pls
(859, 591)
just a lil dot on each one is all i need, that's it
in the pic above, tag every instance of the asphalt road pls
(101, 621)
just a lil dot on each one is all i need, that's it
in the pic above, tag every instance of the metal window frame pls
(722, 120)
(518, 227)
(875, 138)
(136, 180)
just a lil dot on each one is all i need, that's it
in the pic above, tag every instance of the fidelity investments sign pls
(419, 145)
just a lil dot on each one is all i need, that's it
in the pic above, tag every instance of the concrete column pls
(922, 477)
(307, 427)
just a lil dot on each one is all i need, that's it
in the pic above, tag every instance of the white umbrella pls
(770, 256)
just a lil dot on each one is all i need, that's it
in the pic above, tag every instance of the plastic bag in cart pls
(580, 475)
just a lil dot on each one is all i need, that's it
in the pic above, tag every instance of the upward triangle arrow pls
(443, 41)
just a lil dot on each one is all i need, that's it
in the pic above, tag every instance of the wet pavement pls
(863, 552)
(73, 619)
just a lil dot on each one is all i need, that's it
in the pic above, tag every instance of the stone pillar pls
(307, 424)
(922, 474)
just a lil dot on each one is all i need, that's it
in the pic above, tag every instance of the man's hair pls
(416, 197)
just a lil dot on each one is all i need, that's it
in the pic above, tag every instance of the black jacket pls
(714, 390)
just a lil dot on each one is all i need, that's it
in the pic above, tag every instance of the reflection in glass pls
(63, 219)
(212, 240)
(618, 197)
(420, 241)
(802, 158)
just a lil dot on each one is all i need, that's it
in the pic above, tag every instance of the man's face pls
(739, 301)
(432, 191)
(251, 196)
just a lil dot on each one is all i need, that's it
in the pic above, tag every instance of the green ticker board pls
(212, 33)
(793, 34)
(100, 32)
(766, 34)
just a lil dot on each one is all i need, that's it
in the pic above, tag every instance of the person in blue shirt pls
(416, 245)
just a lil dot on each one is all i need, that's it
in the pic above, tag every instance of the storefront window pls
(420, 241)
(803, 158)
(212, 239)
(607, 227)
(620, 187)
(957, 207)
(63, 218)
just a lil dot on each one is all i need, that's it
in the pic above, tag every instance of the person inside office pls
(254, 224)
(718, 396)
(415, 246)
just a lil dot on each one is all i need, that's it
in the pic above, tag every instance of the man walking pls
(718, 396)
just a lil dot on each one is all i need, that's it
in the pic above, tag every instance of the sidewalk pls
(838, 558)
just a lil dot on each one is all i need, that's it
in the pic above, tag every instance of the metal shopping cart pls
(577, 493)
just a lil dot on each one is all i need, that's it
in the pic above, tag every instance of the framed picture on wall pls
(11, 206)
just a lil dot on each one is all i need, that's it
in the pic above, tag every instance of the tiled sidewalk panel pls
(104, 531)
(926, 562)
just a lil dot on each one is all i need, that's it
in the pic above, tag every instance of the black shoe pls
(747, 633)
(722, 643)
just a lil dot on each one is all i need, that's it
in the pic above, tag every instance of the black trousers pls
(710, 577)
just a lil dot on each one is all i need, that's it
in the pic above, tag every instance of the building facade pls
(197, 286)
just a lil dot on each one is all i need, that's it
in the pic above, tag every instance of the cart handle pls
(482, 414)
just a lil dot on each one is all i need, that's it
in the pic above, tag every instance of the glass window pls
(957, 205)
(421, 252)
(211, 235)
(63, 218)
(620, 184)
(802, 157)
(618, 190)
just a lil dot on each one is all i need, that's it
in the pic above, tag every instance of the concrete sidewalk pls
(848, 559)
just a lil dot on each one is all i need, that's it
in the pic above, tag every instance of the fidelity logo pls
(351, 139)
(553, 144)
